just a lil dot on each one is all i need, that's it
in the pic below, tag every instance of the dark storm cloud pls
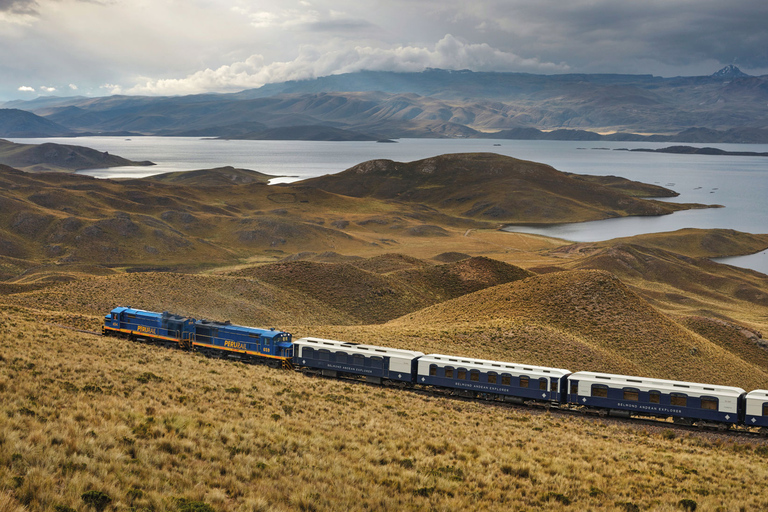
(18, 6)
(673, 32)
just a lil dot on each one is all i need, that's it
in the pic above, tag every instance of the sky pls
(177, 47)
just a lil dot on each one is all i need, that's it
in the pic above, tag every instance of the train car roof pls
(241, 329)
(658, 384)
(358, 347)
(490, 365)
(758, 394)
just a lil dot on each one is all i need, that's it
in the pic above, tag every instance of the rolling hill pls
(51, 157)
(496, 188)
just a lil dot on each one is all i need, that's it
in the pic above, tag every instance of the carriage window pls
(678, 399)
(654, 397)
(543, 384)
(461, 374)
(324, 355)
(523, 381)
(553, 386)
(377, 362)
(574, 388)
(492, 377)
(432, 370)
(709, 403)
(449, 372)
(631, 394)
(308, 352)
(600, 390)
(765, 409)
(506, 380)
(341, 357)
(474, 375)
(358, 360)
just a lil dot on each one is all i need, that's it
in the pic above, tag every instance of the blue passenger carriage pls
(249, 344)
(137, 324)
(686, 402)
(376, 364)
(493, 379)
(756, 408)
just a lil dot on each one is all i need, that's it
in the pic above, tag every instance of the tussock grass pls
(79, 419)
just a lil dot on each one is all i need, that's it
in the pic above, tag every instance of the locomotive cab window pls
(654, 397)
(631, 394)
(679, 399)
(492, 377)
(600, 390)
(432, 370)
(709, 403)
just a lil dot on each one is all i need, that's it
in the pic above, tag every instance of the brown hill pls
(581, 320)
(696, 243)
(287, 293)
(67, 218)
(242, 300)
(220, 176)
(374, 291)
(494, 187)
(58, 157)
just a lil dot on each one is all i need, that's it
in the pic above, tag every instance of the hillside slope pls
(580, 320)
(492, 187)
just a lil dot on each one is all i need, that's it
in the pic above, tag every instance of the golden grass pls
(154, 429)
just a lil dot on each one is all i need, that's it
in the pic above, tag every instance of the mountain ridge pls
(437, 103)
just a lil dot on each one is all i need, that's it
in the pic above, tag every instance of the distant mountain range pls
(728, 106)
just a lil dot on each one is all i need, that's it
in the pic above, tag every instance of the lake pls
(740, 183)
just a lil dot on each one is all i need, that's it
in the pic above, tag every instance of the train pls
(688, 403)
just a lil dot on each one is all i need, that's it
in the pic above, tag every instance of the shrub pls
(185, 505)
(688, 504)
(562, 498)
(96, 499)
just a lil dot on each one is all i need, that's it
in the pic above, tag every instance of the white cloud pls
(26, 88)
(448, 53)
(47, 89)
(112, 88)
(73, 87)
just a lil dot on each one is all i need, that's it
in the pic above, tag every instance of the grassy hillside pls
(86, 420)
(497, 188)
(582, 320)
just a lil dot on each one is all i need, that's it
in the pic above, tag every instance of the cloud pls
(448, 53)
(73, 87)
(18, 12)
(18, 6)
(47, 89)
(26, 88)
